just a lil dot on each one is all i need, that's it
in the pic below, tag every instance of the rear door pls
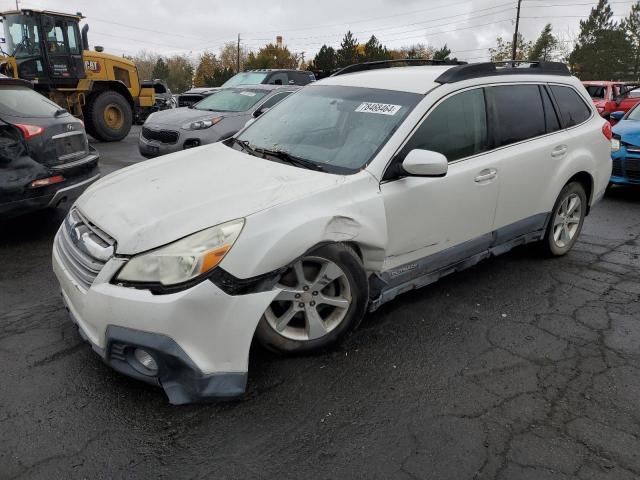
(531, 147)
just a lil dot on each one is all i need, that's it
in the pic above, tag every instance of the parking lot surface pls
(519, 368)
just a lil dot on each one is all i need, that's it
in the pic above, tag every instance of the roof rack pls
(360, 67)
(508, 67)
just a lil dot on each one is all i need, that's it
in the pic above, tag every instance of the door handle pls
(486, 175)
(559, 151)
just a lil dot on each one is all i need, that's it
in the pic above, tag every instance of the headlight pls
(615, 144)
(184, 259)
(201, 124)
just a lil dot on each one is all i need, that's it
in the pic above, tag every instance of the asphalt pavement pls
(522, 367)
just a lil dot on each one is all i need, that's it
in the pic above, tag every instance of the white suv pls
(351, 191)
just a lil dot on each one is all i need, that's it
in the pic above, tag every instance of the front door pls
(63, 50)
(435, 222)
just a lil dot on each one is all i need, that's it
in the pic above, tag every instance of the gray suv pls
(216, 117)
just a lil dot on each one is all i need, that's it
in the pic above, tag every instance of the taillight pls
(29, 131)
(43, 182)
(606, 130)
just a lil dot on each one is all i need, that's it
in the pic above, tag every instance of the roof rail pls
(508, 67)
(360, 67)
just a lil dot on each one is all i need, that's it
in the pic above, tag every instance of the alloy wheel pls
(314, 299)
(567, 219)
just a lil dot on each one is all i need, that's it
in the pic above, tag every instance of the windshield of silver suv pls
(234, 100)
(246, 78)
(338, 129)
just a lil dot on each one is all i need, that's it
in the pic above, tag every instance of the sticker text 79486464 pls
(379, 108)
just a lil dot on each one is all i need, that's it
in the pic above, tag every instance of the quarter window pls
(456, 128)
(519, 114)
(573, 109)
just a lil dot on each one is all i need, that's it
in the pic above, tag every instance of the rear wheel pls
(566, 221)
(324, 296)
(108, 116)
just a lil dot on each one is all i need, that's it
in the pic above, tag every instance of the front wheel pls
(108, 116)
(566, 221)
(323, 297)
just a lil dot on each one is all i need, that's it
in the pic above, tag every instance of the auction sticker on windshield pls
(248, 94)
(379, 108)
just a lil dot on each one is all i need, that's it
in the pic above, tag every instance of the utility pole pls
(514, 47)
(238, 57)
(17, 8)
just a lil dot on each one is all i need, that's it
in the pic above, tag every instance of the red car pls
(611, 97)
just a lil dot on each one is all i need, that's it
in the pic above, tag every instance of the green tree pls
(442, 53)
(220, 75)
(503, 49)
(374, 50)
(545, 46)
(631, 25)
(603, 50)
(347, 54)
(271, 56)
(325, 60)
(161, 70)
(180, 76)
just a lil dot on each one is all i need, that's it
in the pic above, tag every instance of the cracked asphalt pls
(519, 368)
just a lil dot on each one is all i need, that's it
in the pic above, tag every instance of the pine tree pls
(442, 54)
(161, 70)
(374, 50)
(347, 54)
(544, 47)
(631, 25)
(603, 50)
(325, 60)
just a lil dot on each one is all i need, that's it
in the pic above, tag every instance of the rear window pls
(21, 101)
(573, 109)
(596, 91)
(519, 113)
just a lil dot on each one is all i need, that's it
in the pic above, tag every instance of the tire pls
(108, 116)
(564, 229)
(293, 309)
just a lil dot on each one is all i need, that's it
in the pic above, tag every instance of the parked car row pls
(342, 196)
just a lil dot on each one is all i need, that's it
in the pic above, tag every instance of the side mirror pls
(617, 116)
(260, 111)
(425, 163)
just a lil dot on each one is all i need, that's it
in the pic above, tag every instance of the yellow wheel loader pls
(48, 49)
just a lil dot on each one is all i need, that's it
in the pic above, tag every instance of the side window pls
(275, 99)
(550, 117)
(456, 128)
(518, 113)
(301, 78)
(279, 78)
(573, 109)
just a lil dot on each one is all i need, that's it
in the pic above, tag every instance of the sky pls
(167, 27)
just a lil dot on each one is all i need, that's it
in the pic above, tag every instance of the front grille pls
(617, 167)
(188, 100)
(70, 145)
(83, 248)
(164, 136)
(632, 168)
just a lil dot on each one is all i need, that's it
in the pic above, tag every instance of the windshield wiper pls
(291, 159)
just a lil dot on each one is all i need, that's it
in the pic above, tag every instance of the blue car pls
(625, 147)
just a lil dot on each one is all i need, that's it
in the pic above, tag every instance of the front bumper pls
(626, 167)
(200, 337)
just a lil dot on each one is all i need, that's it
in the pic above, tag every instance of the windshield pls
(596, 91)
(246, 78)
(338, 128)
(232, 100)
(23, 102)
(22, 37)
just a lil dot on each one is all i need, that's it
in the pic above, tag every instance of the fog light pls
(146, 360)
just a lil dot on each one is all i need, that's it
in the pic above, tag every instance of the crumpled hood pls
(161, 200)
(629, 131)
(176, 117)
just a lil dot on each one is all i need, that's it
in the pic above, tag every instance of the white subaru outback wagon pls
(351, 191)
